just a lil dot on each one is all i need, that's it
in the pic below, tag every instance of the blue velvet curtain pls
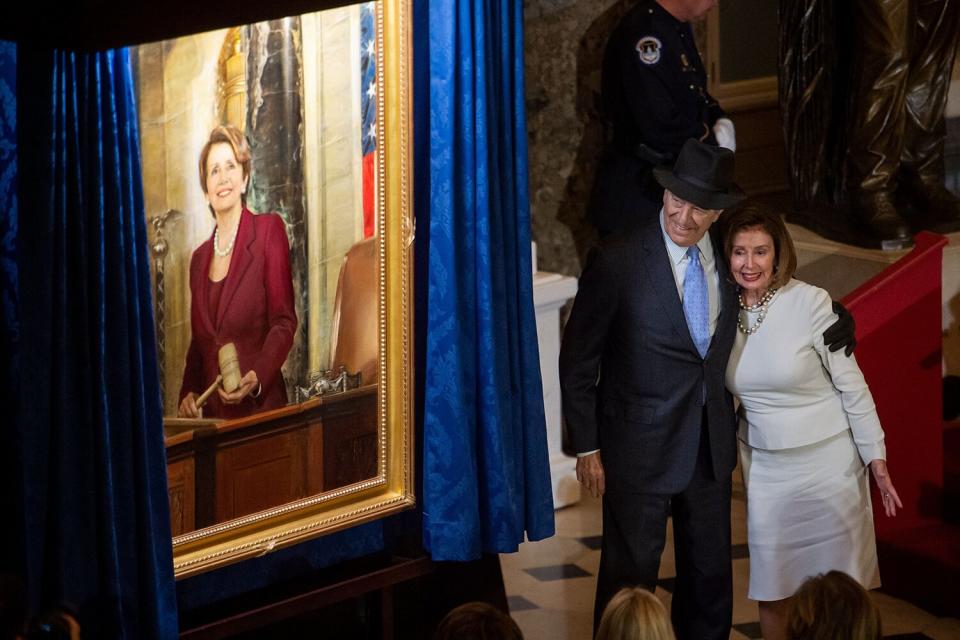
(10, 565)
(88, 426)
(486, 478)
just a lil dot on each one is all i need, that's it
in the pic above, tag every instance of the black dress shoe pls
(939, 206)
(882, 221)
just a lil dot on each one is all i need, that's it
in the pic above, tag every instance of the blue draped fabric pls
(486, 478)
(10, 564)
(88, 426)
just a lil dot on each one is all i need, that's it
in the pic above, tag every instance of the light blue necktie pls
(696, 305)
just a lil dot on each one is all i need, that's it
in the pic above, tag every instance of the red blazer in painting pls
(255, 312)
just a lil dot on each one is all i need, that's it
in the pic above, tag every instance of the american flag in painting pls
(368, 107)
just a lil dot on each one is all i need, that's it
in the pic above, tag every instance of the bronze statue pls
(863, 116)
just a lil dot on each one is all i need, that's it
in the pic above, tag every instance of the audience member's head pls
(57, 623)
(832, 606)
(635, 614)
(477, 621)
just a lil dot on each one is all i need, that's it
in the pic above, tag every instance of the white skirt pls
(808, 512)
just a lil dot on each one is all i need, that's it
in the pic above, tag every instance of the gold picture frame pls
(391, 488)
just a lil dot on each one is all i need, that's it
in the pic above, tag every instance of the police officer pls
(654, 91)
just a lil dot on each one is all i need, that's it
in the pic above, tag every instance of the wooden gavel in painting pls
(229, 373)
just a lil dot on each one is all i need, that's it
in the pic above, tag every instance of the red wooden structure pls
(898, 314)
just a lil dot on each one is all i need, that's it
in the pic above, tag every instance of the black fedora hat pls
(702, 175)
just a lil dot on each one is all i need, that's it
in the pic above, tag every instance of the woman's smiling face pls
(752, 259)
(225, 179)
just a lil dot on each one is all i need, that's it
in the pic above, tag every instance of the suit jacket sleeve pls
(282, 317)
(715, 112)
(848, 379)
(581, 350)
(193, 365)
(652, 101)
(192, 371)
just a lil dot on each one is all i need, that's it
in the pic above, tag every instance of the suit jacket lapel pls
(657, 261)
(239, 263)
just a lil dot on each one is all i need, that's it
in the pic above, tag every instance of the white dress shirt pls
(679, 261)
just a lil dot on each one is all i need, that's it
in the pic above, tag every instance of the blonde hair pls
(832, 606)
(232, 136)
(635, 614)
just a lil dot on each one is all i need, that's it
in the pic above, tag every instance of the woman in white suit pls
(808, 426)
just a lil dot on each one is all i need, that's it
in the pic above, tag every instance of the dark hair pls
(477, 621)
(232, 136)
(832, 606)
(57, 623)
(752, 216)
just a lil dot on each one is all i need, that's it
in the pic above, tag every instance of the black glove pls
(841, 334)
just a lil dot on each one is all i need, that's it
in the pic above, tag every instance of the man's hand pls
(842, 333)
(590, 474)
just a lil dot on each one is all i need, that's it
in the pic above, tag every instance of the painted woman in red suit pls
(241, 290)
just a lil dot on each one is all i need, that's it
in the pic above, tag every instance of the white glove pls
(725, 133)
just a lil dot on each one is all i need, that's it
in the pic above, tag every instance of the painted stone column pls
(274, 130)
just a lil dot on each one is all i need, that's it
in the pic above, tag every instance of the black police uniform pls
(654, 98)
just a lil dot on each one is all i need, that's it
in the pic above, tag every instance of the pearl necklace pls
(216, 242)
(760, 306)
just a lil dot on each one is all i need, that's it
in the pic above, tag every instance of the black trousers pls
(634, 534)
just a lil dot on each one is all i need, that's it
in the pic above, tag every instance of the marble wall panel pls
(564, 52)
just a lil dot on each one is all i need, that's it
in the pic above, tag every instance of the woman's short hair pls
(832, 606)
(241, 150)
(477, 621)
(635, 614)
(752, 216)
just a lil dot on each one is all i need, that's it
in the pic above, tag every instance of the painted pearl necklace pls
(216, 242)
(760, 306)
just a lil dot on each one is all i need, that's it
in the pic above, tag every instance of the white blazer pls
(793, 391)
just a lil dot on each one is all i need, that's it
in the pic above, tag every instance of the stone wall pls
(564, 51)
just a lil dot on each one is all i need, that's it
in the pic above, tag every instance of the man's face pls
(684, 221)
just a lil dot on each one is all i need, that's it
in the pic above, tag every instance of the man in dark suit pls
(642, 369)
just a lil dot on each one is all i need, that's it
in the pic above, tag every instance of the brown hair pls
(635, 614)
(477, 621)
(752, 216)
(832, 606)
(241, 150)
